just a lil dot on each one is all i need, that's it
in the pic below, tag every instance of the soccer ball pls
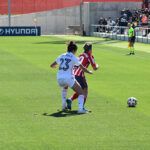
(132, 101)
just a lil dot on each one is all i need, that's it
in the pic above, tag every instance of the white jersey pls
(66, 63)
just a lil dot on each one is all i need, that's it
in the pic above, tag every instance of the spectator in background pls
(110, 24)
(144, 20)
(130, 20)
(100, 22)
(145, 24)
(139, 17)
(129, 14)
(123, 23)
(104, 24)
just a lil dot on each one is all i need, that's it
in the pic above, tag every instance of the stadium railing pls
(120, 32)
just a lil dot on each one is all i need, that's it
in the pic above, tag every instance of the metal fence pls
(120, 32)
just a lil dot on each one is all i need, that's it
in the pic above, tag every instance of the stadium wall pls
(51, 22)
(56, 21)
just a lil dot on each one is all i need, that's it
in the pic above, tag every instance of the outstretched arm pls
(96, 67)
(92, 62)
(85, 70)
(53, 65)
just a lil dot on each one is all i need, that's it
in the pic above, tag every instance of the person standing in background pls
(131, 39)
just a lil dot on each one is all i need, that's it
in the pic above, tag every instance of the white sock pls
(80, 101)
(63, 96)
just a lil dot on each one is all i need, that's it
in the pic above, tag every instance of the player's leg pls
(85, 90)
(69, 100)
(133, 41)
(129, 47)
(78, 89)
(72, 83)
(64, 86)
(132, 48)
(82, 82)
(74, 96)
(84, 85)
(63, 96)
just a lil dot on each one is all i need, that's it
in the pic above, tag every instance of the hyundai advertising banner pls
(20, 31)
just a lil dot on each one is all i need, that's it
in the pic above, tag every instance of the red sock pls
(74, 96)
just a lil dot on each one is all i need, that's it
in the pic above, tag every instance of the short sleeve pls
(58, 60)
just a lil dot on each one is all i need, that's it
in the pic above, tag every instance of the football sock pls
(132, 50)
(74, 96)
(129, 45)
(80, 101)
(64, 95)
(84, 101)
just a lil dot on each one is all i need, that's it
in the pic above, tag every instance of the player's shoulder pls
(62, 55)
(76, 58)
(85, 55)
(69, 54)
(131, 29)
(90, 56)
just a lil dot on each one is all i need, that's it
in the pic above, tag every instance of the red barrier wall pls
(30, 6)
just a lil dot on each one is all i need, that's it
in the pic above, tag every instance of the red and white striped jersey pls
(85, 59)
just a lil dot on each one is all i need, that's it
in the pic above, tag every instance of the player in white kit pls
(66, 78)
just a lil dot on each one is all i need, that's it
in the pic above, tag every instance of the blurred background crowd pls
(139, 18)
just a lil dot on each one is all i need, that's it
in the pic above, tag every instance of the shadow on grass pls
(78, 42)
(59, 42)
(62, 114)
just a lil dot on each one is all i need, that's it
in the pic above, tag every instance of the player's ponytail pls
(72, 47)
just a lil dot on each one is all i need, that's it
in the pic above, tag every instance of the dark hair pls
(87, 47)
(72, 47)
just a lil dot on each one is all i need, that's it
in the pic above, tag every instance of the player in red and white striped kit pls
(66, 78)
(86, 58)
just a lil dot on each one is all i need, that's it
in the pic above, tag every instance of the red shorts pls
(81, 81)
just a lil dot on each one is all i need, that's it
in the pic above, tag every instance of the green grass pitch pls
(30, 97)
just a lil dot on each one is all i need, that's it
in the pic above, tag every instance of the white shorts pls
(63, 82)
